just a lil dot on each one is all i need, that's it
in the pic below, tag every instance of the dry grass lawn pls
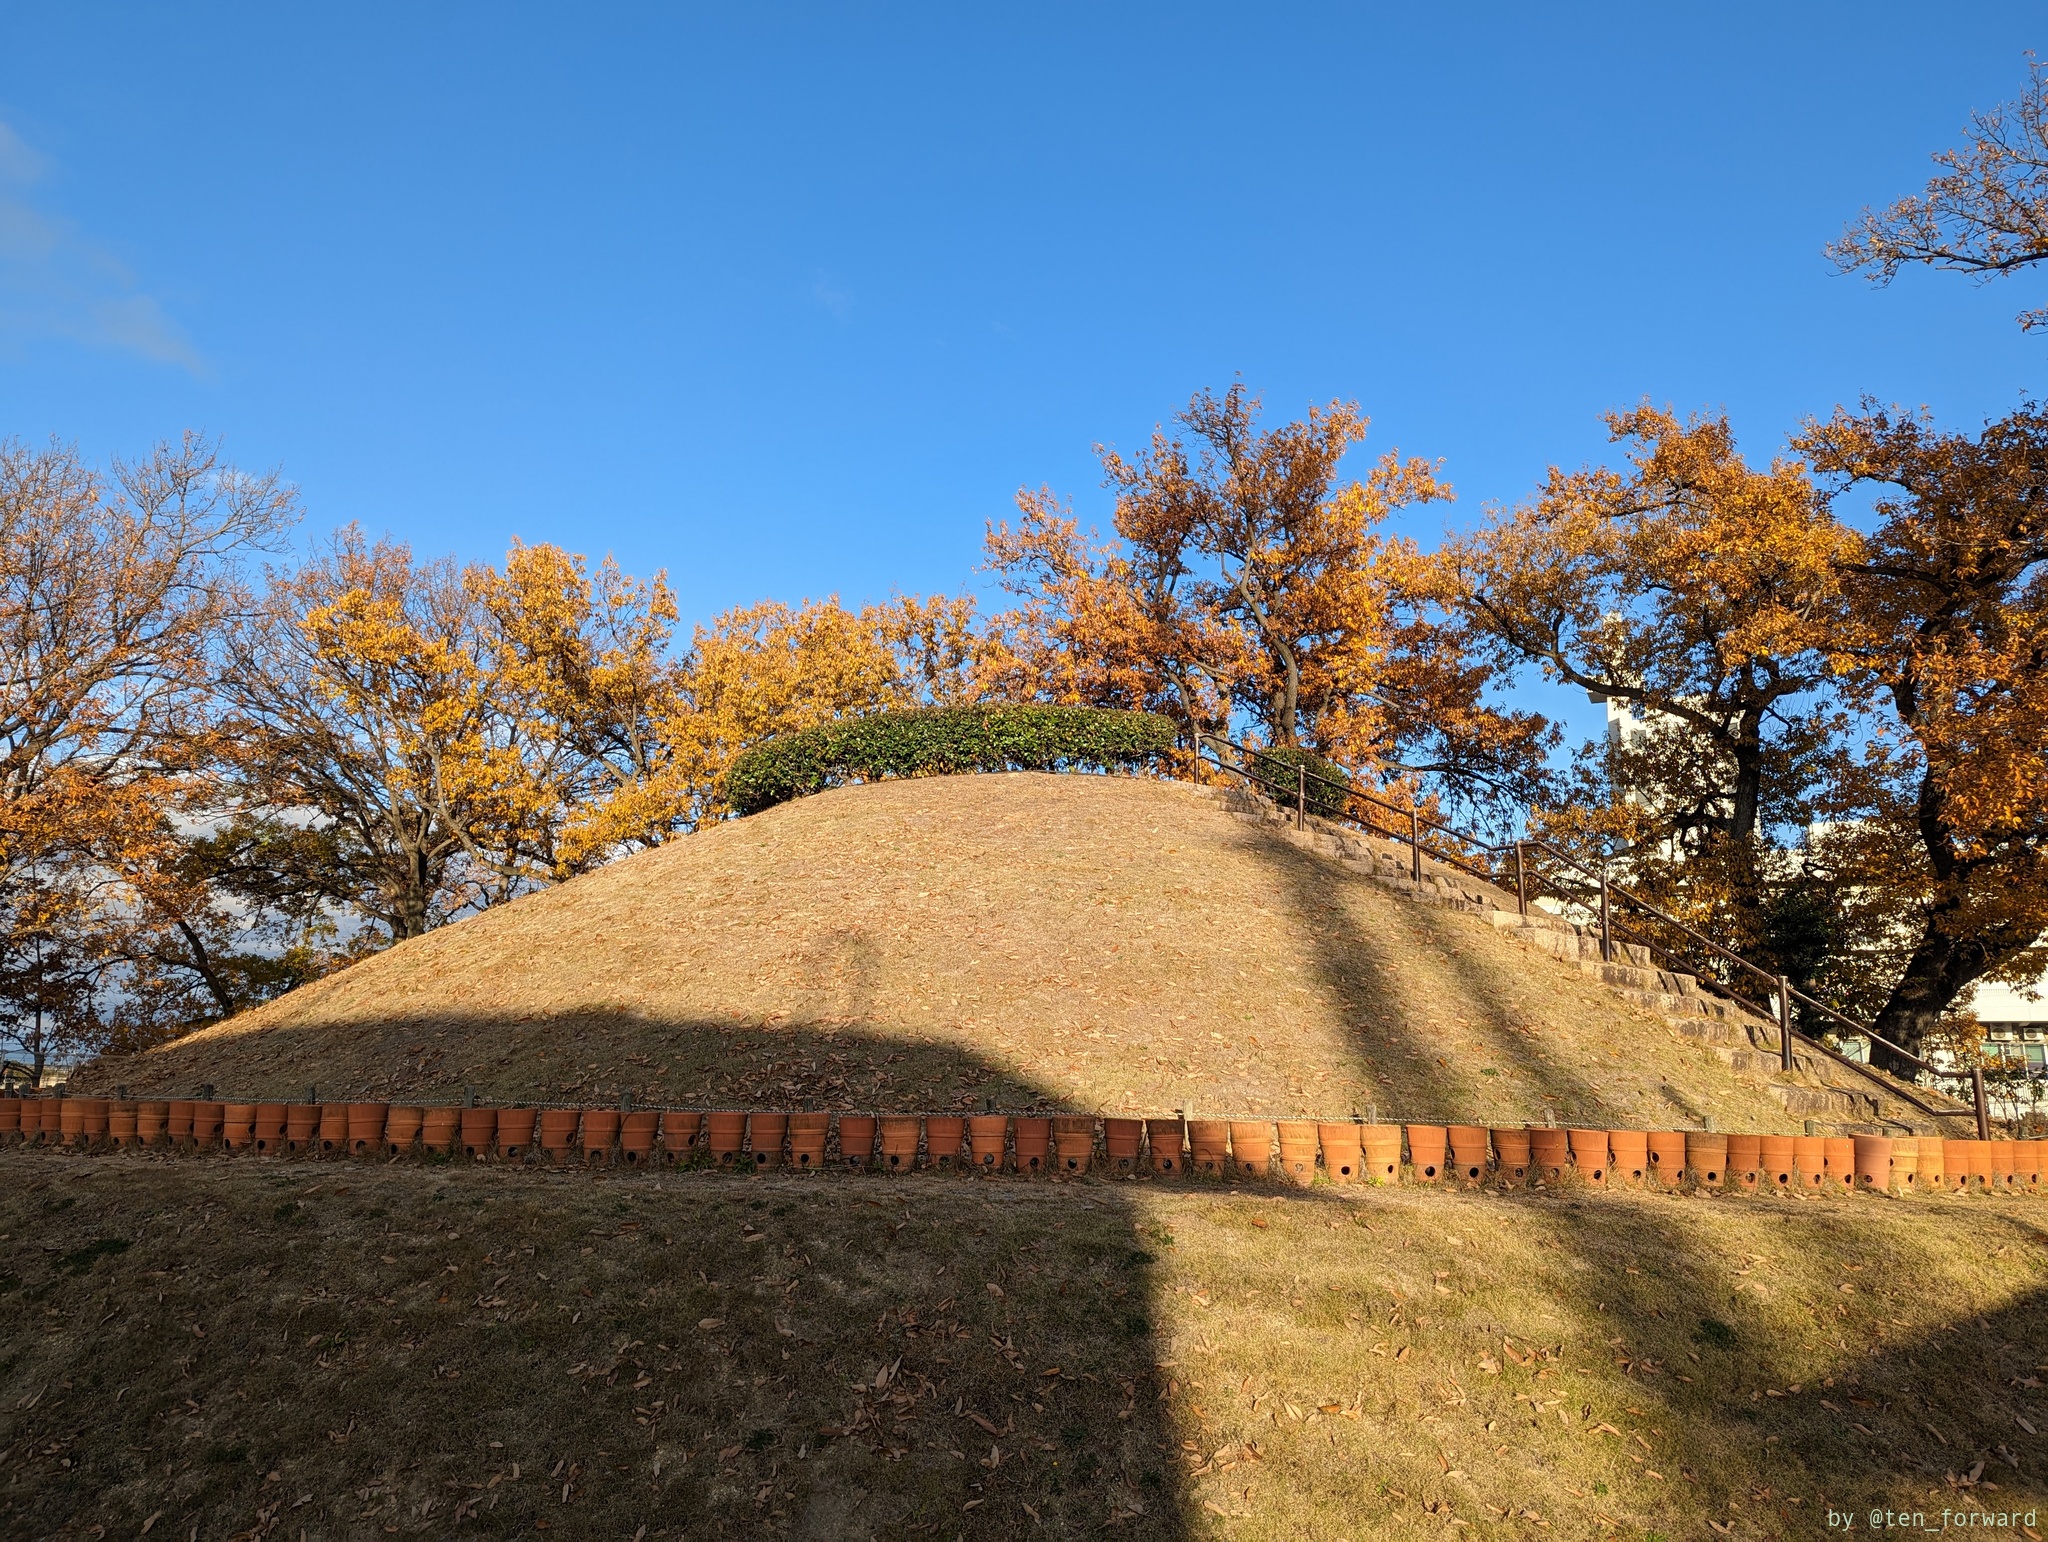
(274, 1349)
(1098, 943)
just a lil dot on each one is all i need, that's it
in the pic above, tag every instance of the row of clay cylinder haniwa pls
(1349, 1151)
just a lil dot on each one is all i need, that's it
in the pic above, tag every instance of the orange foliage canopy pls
(1945, 623)
(112, 588)
(1249, 580)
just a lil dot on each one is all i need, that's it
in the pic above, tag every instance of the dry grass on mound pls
(355, 1350)
(1088, 942)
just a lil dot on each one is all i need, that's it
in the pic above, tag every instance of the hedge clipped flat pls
(943, 741)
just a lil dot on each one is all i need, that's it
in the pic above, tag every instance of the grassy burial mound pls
(1093, 942)
(267, 1349)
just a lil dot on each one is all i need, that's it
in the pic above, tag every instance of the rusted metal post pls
(1983, 1108)
(1414, 844)
(1521, 883)
(1301, 795)
(1784, 1023)
(1606, 925)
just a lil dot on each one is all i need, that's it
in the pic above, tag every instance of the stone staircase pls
(1843, 1096)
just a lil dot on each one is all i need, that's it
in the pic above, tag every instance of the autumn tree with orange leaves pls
(113, 589)
(409, 741)
(1943, 635)
(1249, 581)
(762, 670)
(1701, 593)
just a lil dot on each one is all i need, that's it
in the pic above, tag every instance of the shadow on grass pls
(828, 1354)
(1925, 1402)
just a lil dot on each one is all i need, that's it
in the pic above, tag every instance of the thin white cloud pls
(56, 282)
(18, 163)
(835, 299)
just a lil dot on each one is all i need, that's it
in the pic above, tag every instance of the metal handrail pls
(1608, 892)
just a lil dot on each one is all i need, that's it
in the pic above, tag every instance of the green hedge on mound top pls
(942, 741)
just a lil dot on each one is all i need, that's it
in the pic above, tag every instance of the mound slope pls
(1080, 941)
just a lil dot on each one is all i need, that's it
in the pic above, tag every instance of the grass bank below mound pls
(263, 1349)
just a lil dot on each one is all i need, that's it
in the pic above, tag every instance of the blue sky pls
(791, 300)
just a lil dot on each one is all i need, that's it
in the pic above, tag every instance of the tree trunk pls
(202, 965)
(1940, 970)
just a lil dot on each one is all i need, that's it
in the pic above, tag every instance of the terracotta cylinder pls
(366, 1123)
(1963, 1164)
(515, 1132)
(726, 1134)
(10, 1120)
(857, 1140)
(1343, 1152)
(1630, 1154)
(1667, 1155)
(302, 1128)
(1955, 1164)
(1706, 1158)
(179, 1123)
(1841, 1162)
(943, 1135)
(333, 1129)
(207, 1118)
(1298, 1152)
(1034, 1144)
(1905, 1164)
(121, 1122)
(558, 1128)
(151, 1120)
(1166, 1141)
(1809, 1158)
(1549, 1152)
(1073, 1142)
(29, 1121)
(1469, 1154)
(1381, 1145)
(1209, 1146)
(71, 1121)
(1931, 1174)
(1746, 1161)
(479, 1128)
(2000, 1153)
(95, 1121)
(1426, 1151)
(679, 1131)
(636, 1136)
(1873, 1159)
(1590, 1155)
(238, 1126)
(807, 1133)
(600, 1134)
(988, 1137)
(1512, 1148)
(1976, 1163)
(1781, 1155)
(1251, 1148)
(899, 1143)
(402, 1128)
(1123, 1141)
(440, 1129)
(2026, 1164)
(53, 1120)
(270, 1119)
(765, 1135)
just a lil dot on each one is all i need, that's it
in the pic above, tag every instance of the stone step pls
(1638, 977)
